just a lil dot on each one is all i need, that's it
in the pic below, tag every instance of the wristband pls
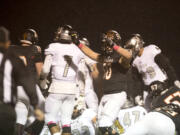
(80, 45)
(115, 47)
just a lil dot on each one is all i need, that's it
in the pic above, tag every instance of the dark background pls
(158, 21)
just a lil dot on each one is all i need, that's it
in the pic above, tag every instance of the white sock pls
(57, 133)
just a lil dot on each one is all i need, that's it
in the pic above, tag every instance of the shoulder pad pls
(155, 49)
(50, 49)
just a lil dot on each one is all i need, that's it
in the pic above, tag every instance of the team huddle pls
(129, 89)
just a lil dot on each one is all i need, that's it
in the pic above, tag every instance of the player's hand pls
(75, 37)
(94, 120)
(177, 83)
(39, 115)
(110, 42)
(44, 84)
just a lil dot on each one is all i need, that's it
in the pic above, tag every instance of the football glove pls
(75, 37)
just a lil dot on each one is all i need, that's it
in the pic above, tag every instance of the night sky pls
(158, 21)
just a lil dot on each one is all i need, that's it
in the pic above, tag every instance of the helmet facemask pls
(106, 48)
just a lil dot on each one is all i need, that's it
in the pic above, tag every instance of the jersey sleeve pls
(89, 62)
(46, 67)
(164, 63)
(155, 49)
(38, 54)
(50, 50)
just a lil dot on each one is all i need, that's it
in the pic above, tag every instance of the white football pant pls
(154, 123)
(63, 103)
(109, 108)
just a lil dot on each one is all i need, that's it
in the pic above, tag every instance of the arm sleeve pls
(164, 64)
(25, 79)
(37, 54)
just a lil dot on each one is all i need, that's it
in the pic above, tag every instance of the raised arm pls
(123, 52)
(90, 53)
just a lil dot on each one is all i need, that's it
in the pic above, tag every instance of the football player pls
(13, 73)
(83, 124)
(30, 54)
(131, 112)
(85, 80)
(114, 77)
(63, 58)
(82, 120)
(86, 90)
(159, 78)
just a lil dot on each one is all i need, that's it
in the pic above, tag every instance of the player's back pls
(128, 117)
(29, 55)
(65, 60)
(83, 124)
(147, 66)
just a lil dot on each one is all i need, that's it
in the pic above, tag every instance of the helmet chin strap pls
(26, 42)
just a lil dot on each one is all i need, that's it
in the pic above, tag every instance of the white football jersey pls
(89, 79)
(128, 117)
(65, 60)
(85, 82)
(147, 67)
(83, 123)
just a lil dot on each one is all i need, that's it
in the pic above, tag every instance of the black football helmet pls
(112, 35)
(30, 36)
(109, 38)
(63, 34)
